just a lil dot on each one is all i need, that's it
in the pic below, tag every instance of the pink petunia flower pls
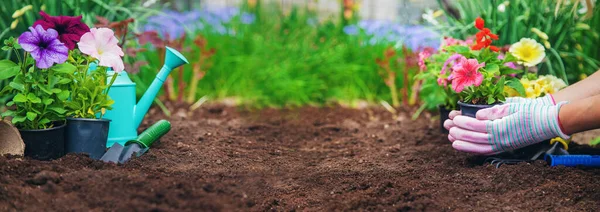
(423, 55)
(465, 74)
(442, 81)
(102, 44)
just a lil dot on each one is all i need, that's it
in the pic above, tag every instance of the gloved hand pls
(548, 99)
(504, 127)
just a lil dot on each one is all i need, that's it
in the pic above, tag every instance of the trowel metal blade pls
(119, 154)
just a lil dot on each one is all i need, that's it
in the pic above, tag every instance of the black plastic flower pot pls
(471, 109)
(443, 116)
(87, 136)
(46, 144)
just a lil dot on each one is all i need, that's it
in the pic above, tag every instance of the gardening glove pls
(548, 99)
(506, 127)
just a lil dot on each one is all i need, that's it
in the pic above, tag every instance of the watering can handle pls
(153, 133)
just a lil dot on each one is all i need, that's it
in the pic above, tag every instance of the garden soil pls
(307, 159)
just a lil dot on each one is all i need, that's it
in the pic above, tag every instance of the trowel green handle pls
(153, 133)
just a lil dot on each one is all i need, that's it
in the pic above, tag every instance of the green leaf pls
(516, 84)
(509, 58)
(63, 81)
(500, 85)
(7, 113)
(6, 64)
(48, 101)
(507, 71)
(31, 116)
(44, 89)
(20, 98)
(44, 121)
(65, 68)
(11, 103)
(8, 69)
(491, 100)
(33, 99)
(18, 119)
(58, 110)
(56, 90)
(63, 95)
(493, 69)
(17, 86)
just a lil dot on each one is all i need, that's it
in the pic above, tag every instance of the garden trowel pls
(121, 154)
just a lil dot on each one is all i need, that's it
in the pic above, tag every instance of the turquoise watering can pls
(126, 115)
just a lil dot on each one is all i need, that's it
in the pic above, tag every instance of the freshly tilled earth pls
(309, 159)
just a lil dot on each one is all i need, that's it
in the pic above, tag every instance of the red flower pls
(484, 37)
(70, 29)
(479, 23)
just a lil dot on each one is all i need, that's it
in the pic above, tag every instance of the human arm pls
(583, 89)
(581, 115)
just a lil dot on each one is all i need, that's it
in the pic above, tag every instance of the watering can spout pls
(173, 60)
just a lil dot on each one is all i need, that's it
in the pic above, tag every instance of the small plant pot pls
(471, 109)
(87, 136)
(443, 116)
(46, 144)
(10, 140)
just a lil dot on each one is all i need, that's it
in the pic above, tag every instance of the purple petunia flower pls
(44, 46)
(247, 18)
(351, 30)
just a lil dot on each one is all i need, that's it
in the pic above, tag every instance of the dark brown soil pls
(308, 159)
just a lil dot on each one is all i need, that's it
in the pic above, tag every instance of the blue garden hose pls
(573, 160)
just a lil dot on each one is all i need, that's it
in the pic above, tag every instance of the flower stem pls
(114, 77)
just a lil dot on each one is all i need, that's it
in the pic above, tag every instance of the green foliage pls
(39, 94)
(569, 40)
(283, 60)
(89, 89)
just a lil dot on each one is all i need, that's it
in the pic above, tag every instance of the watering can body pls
(126, 113)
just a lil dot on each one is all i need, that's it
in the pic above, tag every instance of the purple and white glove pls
(548, 99)
(504, 127)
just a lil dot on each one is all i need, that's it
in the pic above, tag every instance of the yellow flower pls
(582, 76)
(533, 91)
(20, 12)
(528, 52)
(532, 88)
(525, 82)
(13, 25)
(539, 33)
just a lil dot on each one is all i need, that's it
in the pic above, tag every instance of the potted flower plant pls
(435, 90)
(91, 52)
(62, 73)
(87, 130)
(479, 74)
(39, 83)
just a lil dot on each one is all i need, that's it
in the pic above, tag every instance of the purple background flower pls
(44, 46)
(173, 24)
(415, 37)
